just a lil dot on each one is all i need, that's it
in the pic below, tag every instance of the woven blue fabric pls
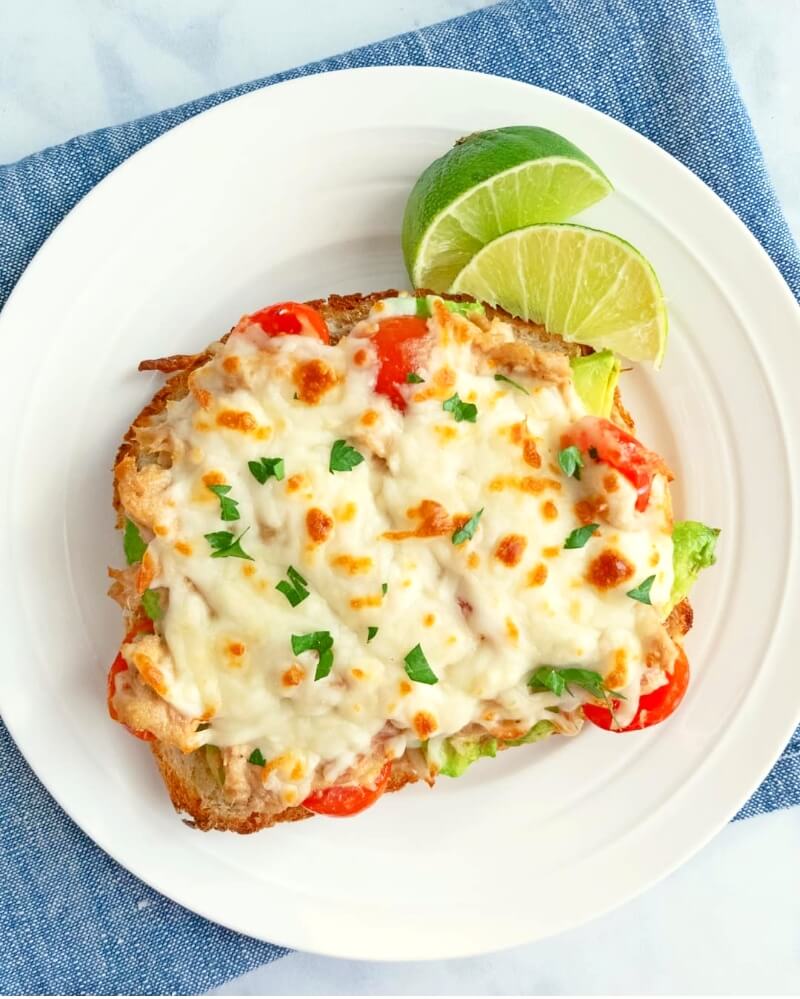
(71, 920)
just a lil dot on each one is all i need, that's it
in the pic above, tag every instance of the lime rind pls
(588, 285)
(488, 184)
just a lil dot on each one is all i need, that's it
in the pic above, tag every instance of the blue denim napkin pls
(73, 921)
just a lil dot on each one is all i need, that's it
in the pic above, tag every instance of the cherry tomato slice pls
(291, 319)
(120, 666)
(402, 348)
(653, 707)
(614, 447)
(348, 799)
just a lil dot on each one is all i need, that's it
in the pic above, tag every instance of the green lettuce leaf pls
(693, 549)
(595, 377)
(458, 756)
(540, 730)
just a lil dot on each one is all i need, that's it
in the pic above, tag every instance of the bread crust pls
(189, 782)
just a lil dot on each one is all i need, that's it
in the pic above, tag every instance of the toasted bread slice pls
(191, 781)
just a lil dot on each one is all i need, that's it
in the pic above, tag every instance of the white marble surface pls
(728, 921)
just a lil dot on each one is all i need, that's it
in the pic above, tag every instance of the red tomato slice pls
(348, 799)
(621, 451)
(653, 707)
(291, 319)
(402, 348)
(119, 666)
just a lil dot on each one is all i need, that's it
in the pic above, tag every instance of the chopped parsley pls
(227, 545)
(316, 641)
(461, 410)
(343, 457)
(558, 680)
(570, 461)
(267, 468)
(418, 668)
(229, 508)
(151, 604)
(384, 588)
(504, 378)
(203, 726)
(372, 631)
(294, 589)
(413, 378)
(134, 544)
(642, 591)
(579, 537)
(256, 758)
(466, 531)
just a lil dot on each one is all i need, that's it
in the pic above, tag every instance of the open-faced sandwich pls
(371, 539)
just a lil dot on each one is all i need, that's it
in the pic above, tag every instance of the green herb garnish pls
(267, 468)
(579, 537)
(558, 679)
(466, 531)
(642, 591)
(316, 641)
(343, 457)
(384, 588)
(256, 758)
(134, 544)
(570, 461)
(294, 589)
(461, 410)
(229, 508)
(151, 604)
(372, 631)
(413, 378)
(504, 378)
(418, 668)
(227, 545)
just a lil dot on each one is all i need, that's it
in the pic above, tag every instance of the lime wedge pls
(587, 285)
(488, 184)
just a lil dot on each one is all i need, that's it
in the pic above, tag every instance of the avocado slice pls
(693, 549)
(595, 377)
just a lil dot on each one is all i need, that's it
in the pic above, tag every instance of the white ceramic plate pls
(293, 192)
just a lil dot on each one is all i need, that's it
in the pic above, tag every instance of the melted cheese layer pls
(486, 612)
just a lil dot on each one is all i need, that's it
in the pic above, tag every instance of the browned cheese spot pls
(372, 600)
(510, 549)
(293, 676)
(313, 379)
(619, 671)
(591, 510)
(318, 524)
(214, 478)
(609, 569)
(353, 565)
(434, 521)
(424, 724)
(538, 575)
(237, 419)
(549, 510)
